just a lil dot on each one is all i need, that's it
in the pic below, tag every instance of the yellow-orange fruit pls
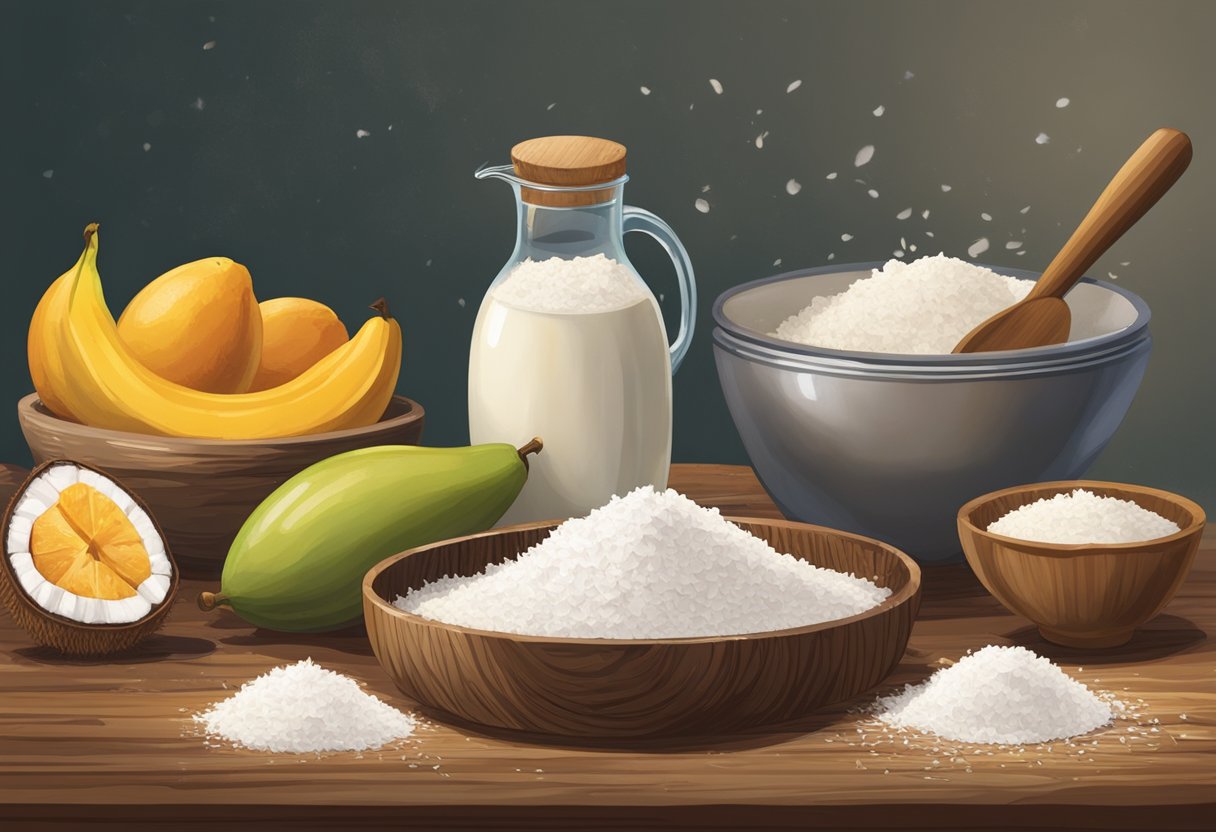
(296, 334)
(197, 325)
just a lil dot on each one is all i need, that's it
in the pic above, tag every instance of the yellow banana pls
(46, 370)
(105, 386)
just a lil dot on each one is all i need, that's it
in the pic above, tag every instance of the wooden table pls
(112, 742)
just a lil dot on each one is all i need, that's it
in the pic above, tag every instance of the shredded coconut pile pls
(922, 307)
(1006, 695)
(579, 285)
(304, 707)
(652, 564)
(1083, 517)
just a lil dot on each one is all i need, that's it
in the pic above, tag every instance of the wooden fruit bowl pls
(201, 490)
(572, 687)
(1081, 595)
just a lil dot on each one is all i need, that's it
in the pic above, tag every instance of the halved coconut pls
(85, 567)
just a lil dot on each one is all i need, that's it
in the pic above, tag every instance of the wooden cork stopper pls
(575, 161)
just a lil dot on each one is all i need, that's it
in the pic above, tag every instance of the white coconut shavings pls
(978, 247)
(1082, 516)
(793, 85)
(651, 564)
(304, 708)
(831, 175)
(904, 214)
(578, 285)
(1004, 695)
(879, 110)
(863, 156)
(701, 205)
(921, 307)
(1061, 103)
(644, 90)
(792, 187)
(1042, 138)
(716, 85)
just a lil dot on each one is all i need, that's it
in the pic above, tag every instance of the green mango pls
(298, 562)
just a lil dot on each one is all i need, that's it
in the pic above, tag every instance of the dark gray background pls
(254, 155)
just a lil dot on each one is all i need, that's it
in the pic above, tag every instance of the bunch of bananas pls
(84, 371)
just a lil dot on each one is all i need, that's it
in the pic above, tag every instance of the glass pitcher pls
(569, 343)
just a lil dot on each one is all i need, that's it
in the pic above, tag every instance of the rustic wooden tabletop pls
(112, 741)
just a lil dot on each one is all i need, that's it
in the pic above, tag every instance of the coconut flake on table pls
(921, 307)
(303, 708)
(651, 564)
(1081, 516)
(578, 285)
(1005, 695)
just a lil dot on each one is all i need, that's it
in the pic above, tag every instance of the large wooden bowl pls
(201, 490)
(1081, 595)
(637, 688)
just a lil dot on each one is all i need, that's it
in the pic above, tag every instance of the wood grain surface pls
(1082, 595)
(113, 741)
(201, 490)
(582, 687)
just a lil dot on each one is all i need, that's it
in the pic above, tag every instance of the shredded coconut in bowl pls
(1083, 517)
(922, 307)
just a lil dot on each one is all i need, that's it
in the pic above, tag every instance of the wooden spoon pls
(1042, 318)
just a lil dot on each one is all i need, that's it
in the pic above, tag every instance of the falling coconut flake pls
(1025, 210)
(550, 107)
(1112, 275)
(945, 189)
(1042, 138)
(831, 175)
(909, 75)
(704, 189)
(898, 253)
(904, 214)
(846, 237)
(792, 187)
(47, 174)
(760, 140)
(863, 156)
(986, 217)
(702, 206)
(793, 85)
(1061, 103)
(1013, 245)
(978, 247)
(873, 193)
(208, 46)
(832, 256)
(147, 146)
(361, 134)
(777, 262)
(716, 84)
(924, 215)
(879, 110)
(199, 104)
(645, 90)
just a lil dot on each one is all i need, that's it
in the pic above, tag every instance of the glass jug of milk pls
(569, 344)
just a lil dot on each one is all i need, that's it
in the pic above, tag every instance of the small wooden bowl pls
(1081, 595)
(202, 490)
(638, 688)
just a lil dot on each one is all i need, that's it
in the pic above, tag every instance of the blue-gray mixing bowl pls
(890, 446)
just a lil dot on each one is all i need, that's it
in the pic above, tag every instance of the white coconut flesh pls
(36, 500)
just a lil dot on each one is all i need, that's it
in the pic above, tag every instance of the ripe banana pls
(103, 385)
(45, 366)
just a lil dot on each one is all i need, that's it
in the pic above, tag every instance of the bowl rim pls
(30, 406)
(1039, 547)
(1082, 348)
(906, 593)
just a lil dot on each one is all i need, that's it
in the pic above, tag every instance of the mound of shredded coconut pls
(1006, 695)
(652, 564)
(922, 307)
(1083, 517)
(304, 707)
(578, 285)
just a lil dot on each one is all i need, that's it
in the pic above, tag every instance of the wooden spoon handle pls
(1143, 179)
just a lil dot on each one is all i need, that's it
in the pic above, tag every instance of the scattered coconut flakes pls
(147, 146)
(887, 311)
(1081, 516)
(777, 262)
(550, 107)
(985, 216)
(303, 708)
(831, 175)
(1042, 138)
(208, 46)
(946, 189)
(702, 206)
(924, 215)
(873, 193)
(846, 237)
(792, 187)
(863, 156)
(199, 104)
(977, 248)
(760, 140)
(48, 173)
(904, 214)
(879, 110)
(1025, 210)
(644, 90)
(1061, 103)
(716, 84)
(1012, 245)
(793, 85)
(362, 134)
(1001, 695)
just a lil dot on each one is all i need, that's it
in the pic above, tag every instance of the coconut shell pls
(52, 630)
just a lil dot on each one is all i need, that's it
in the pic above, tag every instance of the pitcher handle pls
(636, 219)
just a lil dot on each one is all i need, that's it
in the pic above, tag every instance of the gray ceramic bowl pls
(890, 446)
